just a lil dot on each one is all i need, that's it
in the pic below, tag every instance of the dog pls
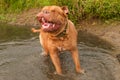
(57, 33)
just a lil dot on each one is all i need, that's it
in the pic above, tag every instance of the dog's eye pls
(52, 10)
(46, 12)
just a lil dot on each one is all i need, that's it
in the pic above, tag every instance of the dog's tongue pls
(48, 25)
(45, 25)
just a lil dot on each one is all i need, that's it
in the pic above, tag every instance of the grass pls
(79, 9)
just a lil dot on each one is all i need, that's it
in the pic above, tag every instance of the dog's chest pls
(61, 45)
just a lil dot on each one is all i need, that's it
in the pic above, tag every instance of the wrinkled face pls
(52, 18)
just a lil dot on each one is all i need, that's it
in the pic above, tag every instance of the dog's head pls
(53, 18)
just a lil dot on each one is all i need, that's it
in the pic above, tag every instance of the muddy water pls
(20, 58)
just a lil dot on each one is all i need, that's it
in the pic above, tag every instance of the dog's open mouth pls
(48, 25)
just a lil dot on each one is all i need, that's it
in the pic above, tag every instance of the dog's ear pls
(65, 9)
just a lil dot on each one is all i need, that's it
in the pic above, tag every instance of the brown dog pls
(58, 34)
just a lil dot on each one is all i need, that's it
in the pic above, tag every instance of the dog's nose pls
(38, 16)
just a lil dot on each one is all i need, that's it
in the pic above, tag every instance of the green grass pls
(79, 9)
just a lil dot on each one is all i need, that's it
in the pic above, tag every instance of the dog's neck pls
(62, 32)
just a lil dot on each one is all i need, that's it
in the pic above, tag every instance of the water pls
(20, 57)
(11, 33)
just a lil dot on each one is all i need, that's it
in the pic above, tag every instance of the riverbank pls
(25, 18)
(109, 31)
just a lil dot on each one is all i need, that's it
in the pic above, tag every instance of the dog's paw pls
(82, 71)
(44, 53)
(60, 74)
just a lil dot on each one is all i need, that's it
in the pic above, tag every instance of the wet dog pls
(58, 33)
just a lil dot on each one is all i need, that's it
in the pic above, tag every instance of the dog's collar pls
(64, 32)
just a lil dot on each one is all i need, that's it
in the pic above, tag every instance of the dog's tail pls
(35, 30)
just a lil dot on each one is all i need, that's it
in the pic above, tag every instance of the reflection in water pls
(9, 33)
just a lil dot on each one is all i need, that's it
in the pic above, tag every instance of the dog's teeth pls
(53, 25)
(43, 20)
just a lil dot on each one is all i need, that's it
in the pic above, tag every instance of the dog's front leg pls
(56, 61)
(75, 57)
